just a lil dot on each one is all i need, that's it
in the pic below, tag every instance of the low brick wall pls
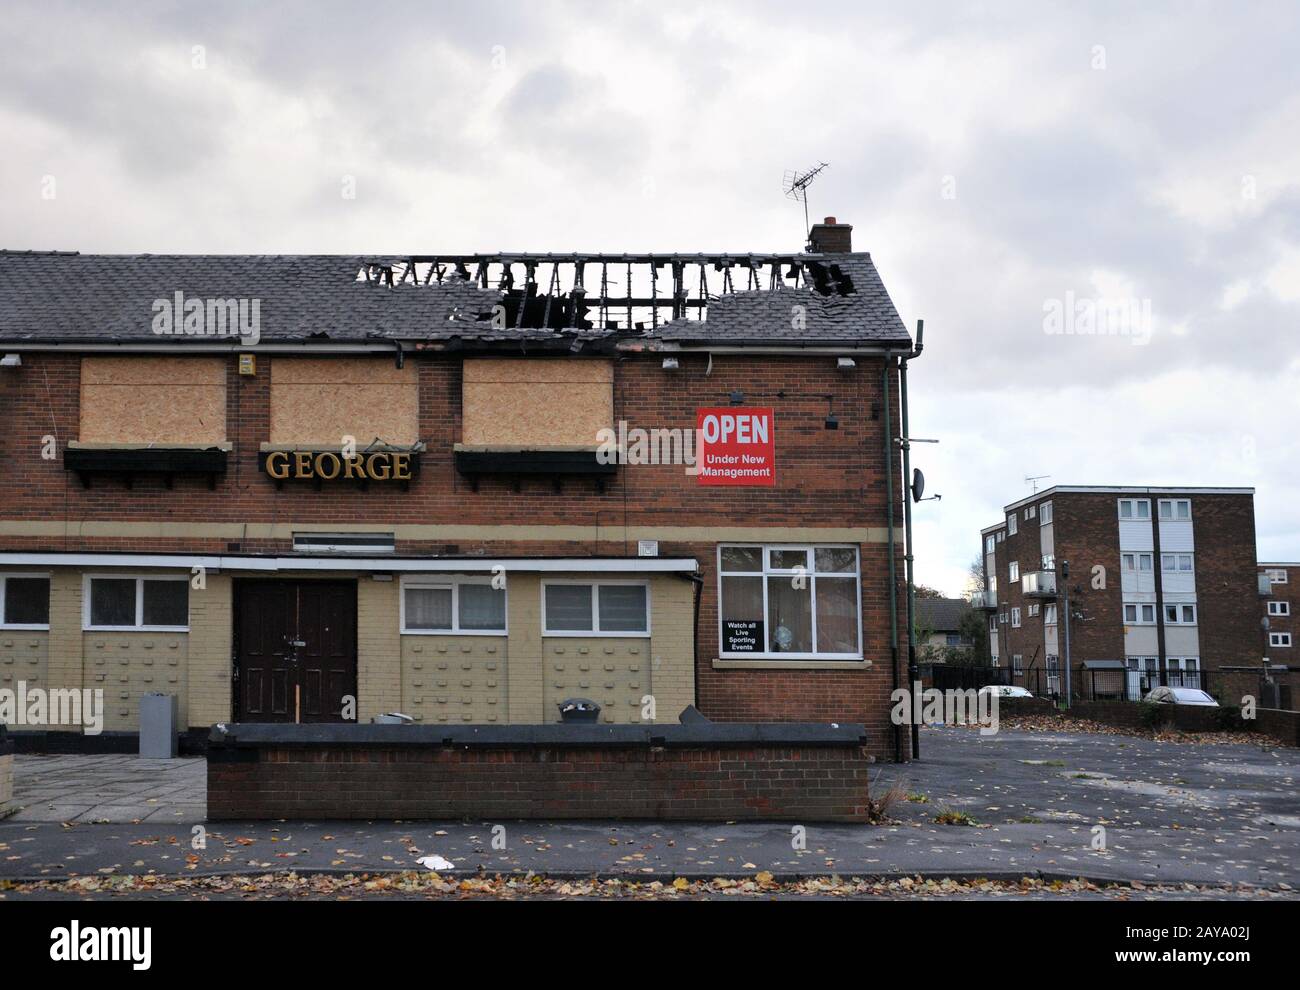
(1024, 706)
(1282, 726)
(710, 772)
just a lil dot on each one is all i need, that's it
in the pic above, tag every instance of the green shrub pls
(1151, 715)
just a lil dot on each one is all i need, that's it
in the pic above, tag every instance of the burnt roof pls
(659, 299)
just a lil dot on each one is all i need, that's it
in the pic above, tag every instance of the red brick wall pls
(807, 784)
(825, 478)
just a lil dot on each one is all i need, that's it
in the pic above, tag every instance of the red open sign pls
(736, 446)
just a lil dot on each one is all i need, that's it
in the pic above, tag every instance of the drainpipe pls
(893, 581)
(890, 357)
(913, 673)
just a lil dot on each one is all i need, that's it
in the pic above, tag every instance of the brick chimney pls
(829, 237)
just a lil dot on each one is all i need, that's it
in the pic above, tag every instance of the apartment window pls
(24, 601)
(1279, 608)
(1276, 575)
(149, 603)
(1139, 614)
(1134, 508)
(993, 585)
(1014, 569)
(1175, 508)
(1045, 513)
(1030, 512)
(1049, 615)
(789, 603)
(1048, 562)
(1033, 609)
(1182, 615)
(1279, 639)
(1018, 663)
(1015, 618)
(1171, 562)
(1011, 523)
(990, 544)
(453, 606)
(595, 608)
(1002, 618)
(1136, 562)
(1002, 535)
(993, 624)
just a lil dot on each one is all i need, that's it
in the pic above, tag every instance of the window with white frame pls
(1015, 618)
(452, 605)
(1173, 562)
(1011, 523)
(1138, 614)
(1276, 575)
(1018, 663)
(1013, 570)
(1030, 512)
(1045, 513)
(595, 608)
(1136, 562)
(993, 623)
(796, 602)
(1180, 615)
(150, 603)
(1134, 508)
(990, 544)
(1047, 562)
(1279, 639)
(1033, 609)
(1175, 508)
(1049, 615)
(1002, 535)
(24, 601)
(1279, 608)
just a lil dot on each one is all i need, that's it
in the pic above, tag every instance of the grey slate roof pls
(67, 297)
(941, 614)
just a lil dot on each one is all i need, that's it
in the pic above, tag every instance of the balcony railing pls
(985, 600)
(1039, 584)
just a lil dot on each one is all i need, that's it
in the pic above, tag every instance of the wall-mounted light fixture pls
(737, 397)
(11, 361)
(670, 364)
(845, 363)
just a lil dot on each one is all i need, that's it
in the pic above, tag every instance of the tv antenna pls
(1034, 479)
(796, 186)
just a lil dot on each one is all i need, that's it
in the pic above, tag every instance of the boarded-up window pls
(316, 402)
(536, 404)
(179, 401)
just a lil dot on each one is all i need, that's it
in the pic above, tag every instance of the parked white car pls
(1180, 696)
(1006, 691)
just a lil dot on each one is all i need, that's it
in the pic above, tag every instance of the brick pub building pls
(1162, 585)
(391, 495)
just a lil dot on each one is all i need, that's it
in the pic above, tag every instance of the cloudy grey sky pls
(994, 158)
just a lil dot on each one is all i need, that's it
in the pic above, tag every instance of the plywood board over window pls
(163, 401)
(316, 402)
(537, 404)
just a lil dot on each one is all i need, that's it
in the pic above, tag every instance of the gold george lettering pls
(401, 467)
(302, 464)
(277, 465)
(353, 468)
(378, 467)
(327, 465)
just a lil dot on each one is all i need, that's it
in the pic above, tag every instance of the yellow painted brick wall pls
(128, 664)
(524, 651)
(24, 656)
(455, 679)
(7, 806)
(64, 664)
(379, 648)
(211, 649)
(672, 646)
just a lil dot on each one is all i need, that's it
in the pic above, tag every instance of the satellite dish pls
(918, 484)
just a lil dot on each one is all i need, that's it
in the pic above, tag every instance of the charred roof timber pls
(610, 292)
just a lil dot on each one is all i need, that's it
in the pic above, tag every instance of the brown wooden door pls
(295, 650)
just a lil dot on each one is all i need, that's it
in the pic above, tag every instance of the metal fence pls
(1086, 684)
